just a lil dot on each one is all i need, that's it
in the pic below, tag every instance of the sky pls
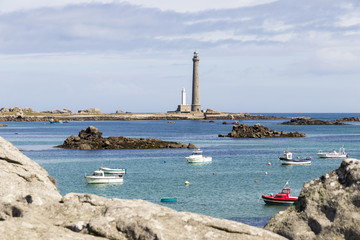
(256, 56)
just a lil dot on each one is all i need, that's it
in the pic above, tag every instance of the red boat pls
(282, 198)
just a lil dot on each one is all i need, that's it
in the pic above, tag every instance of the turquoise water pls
(225, 188)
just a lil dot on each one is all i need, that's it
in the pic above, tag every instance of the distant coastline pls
(45, 117)
(17, 114)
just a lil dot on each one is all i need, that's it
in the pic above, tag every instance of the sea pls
(230, 187)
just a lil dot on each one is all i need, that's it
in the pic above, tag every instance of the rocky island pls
(309, 121)
(258, 131)
(32, 208)
(91, 139)
(349, 119)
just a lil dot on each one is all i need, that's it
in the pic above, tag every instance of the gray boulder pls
(327, 207)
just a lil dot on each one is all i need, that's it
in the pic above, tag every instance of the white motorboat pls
(100, 177)
(333, 154)
(113, 170)
(197, 157)
(287, 159)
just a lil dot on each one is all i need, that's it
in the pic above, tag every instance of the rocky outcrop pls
(349, 119)
(4, 109)
(258, 131)
(309, 121)
(91, 138)
(15, 109)
(64, 111)
(90, 111)
(32, 208)
(328, 207)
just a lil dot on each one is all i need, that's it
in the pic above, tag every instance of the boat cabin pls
(98, 173)
(288, 155)
(285, 193)
(197, 152)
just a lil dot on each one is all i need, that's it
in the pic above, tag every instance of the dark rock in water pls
(258, 131)
(327, 208)
(91, 138)
(32, 208)
(309, 121)
(349, 119)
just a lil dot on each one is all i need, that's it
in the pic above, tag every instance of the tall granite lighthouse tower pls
(195, 106)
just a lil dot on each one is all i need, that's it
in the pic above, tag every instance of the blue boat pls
(168, 199)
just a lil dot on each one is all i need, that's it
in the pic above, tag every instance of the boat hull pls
(278, 201)
(113, 170)
(295, 162)
(103, 180)
(326, 155)
(168, 200)
(199, 160)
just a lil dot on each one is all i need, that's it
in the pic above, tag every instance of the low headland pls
(258, 131)
(91, 139)
(95, 114)
(32, 208)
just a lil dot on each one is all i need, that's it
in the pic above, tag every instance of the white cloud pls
(272, 25)
(215, 20)
(349, 20)
(216, 36)
(164, 5)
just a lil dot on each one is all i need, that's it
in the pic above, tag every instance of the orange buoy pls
(256, 181)
(269, 163)
(213, 173)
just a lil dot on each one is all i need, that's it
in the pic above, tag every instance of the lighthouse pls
(183, 97)
(195, 106)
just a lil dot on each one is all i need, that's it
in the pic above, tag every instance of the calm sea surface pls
(225, 188)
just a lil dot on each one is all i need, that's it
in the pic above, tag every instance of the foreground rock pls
(32, 208)
(91, 138)
(328, 207)
(258, 131)
(309, 121)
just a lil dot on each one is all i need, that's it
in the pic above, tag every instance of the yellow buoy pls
(187, 183)
(265, 173)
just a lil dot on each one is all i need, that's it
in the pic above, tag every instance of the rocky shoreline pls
(94, 114)
(91, 139)
(258, 131)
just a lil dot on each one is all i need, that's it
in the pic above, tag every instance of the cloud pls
(164, 5)
(272, 25)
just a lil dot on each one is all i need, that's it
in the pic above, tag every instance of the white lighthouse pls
(183, 108)
(183, 97)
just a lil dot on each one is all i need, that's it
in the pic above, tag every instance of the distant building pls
(183, 107)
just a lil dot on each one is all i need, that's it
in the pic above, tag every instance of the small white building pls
(183, 108)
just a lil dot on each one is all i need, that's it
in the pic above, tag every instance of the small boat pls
(287, 159)
(113, 170)
(99, 177)
(282, 198)
(197, 157)
(333, 154)
(55, 121)
(169, 199)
